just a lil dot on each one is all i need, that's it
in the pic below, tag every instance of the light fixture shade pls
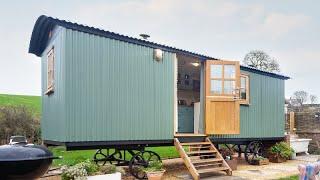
(196, 64)
(158, 54)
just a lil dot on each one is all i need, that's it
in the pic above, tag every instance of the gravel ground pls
(175, 169)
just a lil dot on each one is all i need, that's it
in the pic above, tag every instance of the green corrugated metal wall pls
(53, 120)
(116, 91)
(264, 117)
(111, 90)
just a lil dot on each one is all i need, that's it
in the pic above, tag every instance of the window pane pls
(243, 82)
(243, 90)
(229, 87)
(229, 71)
(216, 71)
(216, 87)
(243, 94)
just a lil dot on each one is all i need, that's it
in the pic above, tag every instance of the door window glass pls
(216, 71)
(223, 78)
(229, 71)
(229, 87)
(216, 87)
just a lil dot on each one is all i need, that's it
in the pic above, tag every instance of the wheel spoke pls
(253, 150)
(100, 158)
(116, 157)
(139, 160)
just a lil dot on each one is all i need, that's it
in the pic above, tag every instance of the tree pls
(313, 99)
(18, 120)
(299, 98)
(261, 60)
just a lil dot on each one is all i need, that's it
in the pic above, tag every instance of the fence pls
(306, 123)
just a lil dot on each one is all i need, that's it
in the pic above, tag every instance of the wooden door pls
(222, 111)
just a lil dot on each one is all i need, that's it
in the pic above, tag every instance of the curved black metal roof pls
(45, 24)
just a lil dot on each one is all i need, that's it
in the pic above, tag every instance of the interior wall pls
(188, 92)
(188, 80)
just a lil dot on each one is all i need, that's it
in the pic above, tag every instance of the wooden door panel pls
(222, 117)
(222, 110)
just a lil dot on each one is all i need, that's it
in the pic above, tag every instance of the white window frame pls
(247, 88)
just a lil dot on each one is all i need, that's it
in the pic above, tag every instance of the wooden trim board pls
(175, 94)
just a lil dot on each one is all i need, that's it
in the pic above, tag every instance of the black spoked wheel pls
(239, 149)
(115, 157)
(142, 160)
(253, 150)
(100, 157)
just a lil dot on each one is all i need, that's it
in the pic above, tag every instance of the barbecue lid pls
(24, 152)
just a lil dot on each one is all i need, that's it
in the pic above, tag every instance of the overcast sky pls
(287, 30)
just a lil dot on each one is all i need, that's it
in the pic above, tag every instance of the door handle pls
(236, 93)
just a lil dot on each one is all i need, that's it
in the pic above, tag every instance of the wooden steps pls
(195, 143)
(201, 152)
(207, 165)
(200, 161)
(201, 158)
(209, 170)
(200, 147)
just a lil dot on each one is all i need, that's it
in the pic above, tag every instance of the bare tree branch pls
(299, 98)
(313, 99)
(261, 60)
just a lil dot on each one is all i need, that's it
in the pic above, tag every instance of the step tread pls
(194, 143)
(201, 152)
(201, 171)
(208, 165)
(199, 161)
(204, 156)
(200, 146)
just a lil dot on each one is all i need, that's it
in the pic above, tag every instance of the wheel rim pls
(142, 160)
(252, 151)
(100, 158)
(151, 156)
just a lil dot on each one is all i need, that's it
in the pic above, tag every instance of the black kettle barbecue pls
(24, 161)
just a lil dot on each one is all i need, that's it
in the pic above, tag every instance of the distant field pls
(33, 102)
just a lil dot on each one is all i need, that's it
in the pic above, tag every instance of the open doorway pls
(188, 94)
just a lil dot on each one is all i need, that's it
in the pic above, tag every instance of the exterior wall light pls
(158, 55)
(196, 64)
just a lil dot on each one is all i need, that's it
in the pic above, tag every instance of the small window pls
(223, 79)
(244, 89)
(50, 72)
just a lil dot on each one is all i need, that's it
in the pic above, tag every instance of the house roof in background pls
(45, 24)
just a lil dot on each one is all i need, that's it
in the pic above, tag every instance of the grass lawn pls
(33, 102)
(290, 178)
(73, 157)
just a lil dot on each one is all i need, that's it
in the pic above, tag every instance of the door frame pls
(175, 103)
(175, 94)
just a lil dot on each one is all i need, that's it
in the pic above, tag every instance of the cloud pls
(222, 29)
(225, 18)
(279, 24)
(302, 66)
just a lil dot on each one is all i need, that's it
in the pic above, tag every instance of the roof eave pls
(44, 24)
